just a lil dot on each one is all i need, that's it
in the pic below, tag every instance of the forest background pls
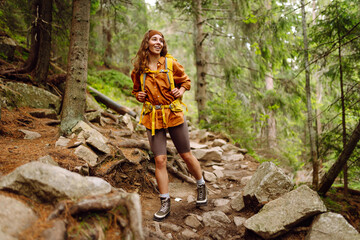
(280, 78)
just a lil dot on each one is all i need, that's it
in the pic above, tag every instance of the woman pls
(152, 87)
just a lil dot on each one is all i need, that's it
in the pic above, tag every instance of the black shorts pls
(179, 135)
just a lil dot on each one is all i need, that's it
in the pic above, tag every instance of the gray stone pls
(44, 113)
(239, 221)
(92, 104)
(233, 157)
(245, 180)
(213, 154)
(96, 140)
(127, 120)
(48, 183)
(81, 126)
(30, 135)
(215, 167)
(230, 147)
(283, 213)
(237, 203)
(192, 221)
(191, 199)
(218, 143)
(7, 47)
(86, 154)
(25, 95)
(15, 217)
(170, 227)
(215, 219)
(94, 116)
(188, 234)
(218, 173)
(48, 159)
(331, 226)
(62, 142)
(209, 176)
(195, 145)
(221, 202)
(268, 183)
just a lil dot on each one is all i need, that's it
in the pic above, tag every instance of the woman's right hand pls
(141, 96)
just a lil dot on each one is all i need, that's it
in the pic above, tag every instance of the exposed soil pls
(16, 151)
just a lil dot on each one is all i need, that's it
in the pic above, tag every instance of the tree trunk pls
(271, 133)
(313, 153)
(336, 168)
(199, 38)
(39, 57)
(43, 61)
(345, 170)
(74, 102)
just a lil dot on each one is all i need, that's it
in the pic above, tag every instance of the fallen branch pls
(110, 103)
(180, 175)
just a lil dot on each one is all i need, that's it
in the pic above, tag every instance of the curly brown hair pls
(141, 60)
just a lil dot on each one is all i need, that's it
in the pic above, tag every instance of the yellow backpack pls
(175, 106)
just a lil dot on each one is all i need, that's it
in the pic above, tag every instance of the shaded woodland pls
(280, 78)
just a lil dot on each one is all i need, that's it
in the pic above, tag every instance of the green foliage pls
(228, 115)
(111, 82)
(332, 205)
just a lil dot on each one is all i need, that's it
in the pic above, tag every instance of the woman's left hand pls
(178, 92)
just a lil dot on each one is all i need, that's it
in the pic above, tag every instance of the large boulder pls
(7, 47)
(331, 226)
(268, 183)
(213, 154)
(48, 183)
(283, 213)
(24, 95)
(15, 217)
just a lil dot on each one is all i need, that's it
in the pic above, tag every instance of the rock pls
(237, 203)
(283, 213)
(213, 154)
(96, 140)
(218, 143)
(221, 202)
(127, 120)
(239, 221)
(7, 47)
(91, 103)
(81, 126)
(30, 135)
(331, 226)
(245, 180)
(230, 147)
(44, 113)
(268, 183)
(170, 227)
(303, 177)
(195, 145)
(215, 219)
(56, 232)
(217, 167)
(25, 95)
(86, 154)
(209, 176)
(62, 142)
(94, 116)
(188, 234)
(48, 160)
(15, 217)
(233, 157)
(192, 221)
(218, 173)
(48, 183)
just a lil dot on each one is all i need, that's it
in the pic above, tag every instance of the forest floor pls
(16, 151)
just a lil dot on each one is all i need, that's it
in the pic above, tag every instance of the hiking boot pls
(201, 195)
(164, 210)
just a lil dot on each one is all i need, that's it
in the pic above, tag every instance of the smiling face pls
(156, 44)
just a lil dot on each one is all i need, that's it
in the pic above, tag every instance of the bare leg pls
(161, 174)
(192, 164)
